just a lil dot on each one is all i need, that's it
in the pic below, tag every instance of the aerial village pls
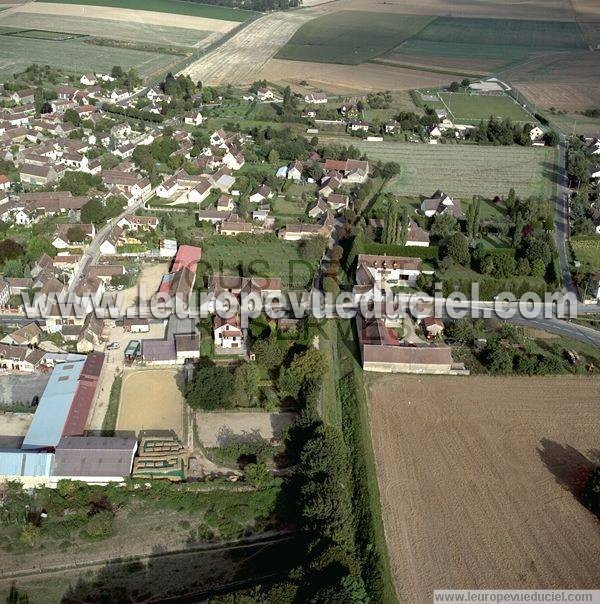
(109, 186)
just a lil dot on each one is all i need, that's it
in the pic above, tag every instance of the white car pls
(112, 346)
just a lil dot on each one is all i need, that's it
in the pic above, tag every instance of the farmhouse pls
(193, 118)
(315, 98)
(353, 170)
(260, 194)
(297, 232)
(381, 274)
(295, 171)
(381, 351)
(33, 174)
(27, 335)
(235, 228)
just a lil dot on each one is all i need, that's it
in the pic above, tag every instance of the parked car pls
(112, 346)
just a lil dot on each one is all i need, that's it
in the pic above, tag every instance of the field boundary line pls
(454, 118)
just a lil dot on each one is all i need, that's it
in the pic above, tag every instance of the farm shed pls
(94, 459)
(31, 469)
(55, 403)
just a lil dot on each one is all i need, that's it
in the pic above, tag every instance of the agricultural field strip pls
(16, 53)
(485, 490)
(130, 16)
(183, 8)
(351, 37)
(118, 30)
(461, 170)
(238, 59)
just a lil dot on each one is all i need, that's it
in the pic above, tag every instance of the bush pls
(211, 388)
(590, 496)
(100, 525)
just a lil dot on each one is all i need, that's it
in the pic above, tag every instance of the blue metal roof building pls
(21, 464)
(49, 420)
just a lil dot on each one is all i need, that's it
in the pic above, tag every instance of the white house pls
(440, 203)
(167, 188)
(295, 171)
(536, 134)
(88, 79)
(227, 332)
(264, 94)
(193, 118)
(200, 192)
(261, 194)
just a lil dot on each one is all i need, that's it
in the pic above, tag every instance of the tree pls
(551, 138)
(308, 366)
(443, 226)
(454, 87)
(313, 248)
(590, 495)
(270, 353)
(390, 169)
(473, 216)
(10, 250)
(457, 248)
(30, 535)
(211, 388)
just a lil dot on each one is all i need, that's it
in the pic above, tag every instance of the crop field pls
(151, 400)
(177, 7)
(16, 53)
(350, 37)
(116, 30)
(483, 472)
(263, 256)
(587, 250)
(471, 108)
(463, 170)
(481, 44)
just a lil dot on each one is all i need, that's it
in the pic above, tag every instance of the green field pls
(116, 30)
(176, 7)
(464, 170)
(350, 37)
(471, 108)
(257, 255)
(502, 41)
(17, 53)
(587, 250)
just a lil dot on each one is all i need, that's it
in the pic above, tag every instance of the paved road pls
(561, 217)
(92, 253)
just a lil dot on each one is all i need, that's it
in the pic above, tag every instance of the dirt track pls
(239, 59)
(151, 400)
(477, 477)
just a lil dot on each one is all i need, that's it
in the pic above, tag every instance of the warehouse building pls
(66, 401)
(29, 468)
(94, 459)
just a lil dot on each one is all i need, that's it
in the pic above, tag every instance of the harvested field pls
(239, 59)
(172, 7)
(350, 37)
(116, 30)
(478, 478)
(349, 79)
(17, 53)
(463, 170)
(151, 400)
(527, 9)
(214, 429)
(471, 109)
(129, 15)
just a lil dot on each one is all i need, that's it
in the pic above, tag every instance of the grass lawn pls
(109, 424)
(471, 108)
(587, 250)
(350, 37)
(17, 53)
(463, 170)
(288, 209)
(176, 7)
(259, 255)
